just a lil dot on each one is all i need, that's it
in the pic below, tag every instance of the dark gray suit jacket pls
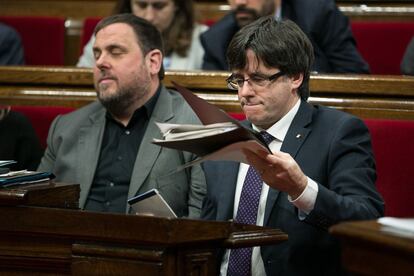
(333, 149)
(326, 27)
(74, 144)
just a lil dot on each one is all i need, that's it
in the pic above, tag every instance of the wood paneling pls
(51, 241)
(367, 96)
(79, 9)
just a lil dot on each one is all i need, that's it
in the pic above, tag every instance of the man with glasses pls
(325, 25)
(321, 170)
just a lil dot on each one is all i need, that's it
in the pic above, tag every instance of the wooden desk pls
(369, 249)
(48, 241)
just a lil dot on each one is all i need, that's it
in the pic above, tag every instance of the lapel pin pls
(298, 136)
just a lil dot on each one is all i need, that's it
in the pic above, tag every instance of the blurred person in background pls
(11, 49)
(175, 20)
(407, 63)
(18, 140)
(324, 24)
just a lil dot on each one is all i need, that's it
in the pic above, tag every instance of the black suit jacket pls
(11, 49)
(19, 142)
(333, 149)
(326, 27)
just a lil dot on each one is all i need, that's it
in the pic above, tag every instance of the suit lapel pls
(149, 152)
(227, 183)
(298, 130)
(296, 135)
(90, 140)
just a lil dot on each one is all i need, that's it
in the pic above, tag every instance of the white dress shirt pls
(305, 202)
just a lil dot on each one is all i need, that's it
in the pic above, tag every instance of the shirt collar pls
(146, 109)
(150, 104)
(278, 13)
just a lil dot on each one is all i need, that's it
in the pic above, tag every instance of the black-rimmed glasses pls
(235, 82)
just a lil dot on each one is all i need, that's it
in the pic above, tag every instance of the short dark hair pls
(148, 37)
(178, 36)
(278, 44)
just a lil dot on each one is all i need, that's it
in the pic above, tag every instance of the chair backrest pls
(89, 25)
(43, 38)
(394, 155)
(41, 118)
(382, 44)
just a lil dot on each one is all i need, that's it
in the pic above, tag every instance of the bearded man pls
(323, 23)
(106, 145)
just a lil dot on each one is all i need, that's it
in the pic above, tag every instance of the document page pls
(186, 131)
(219, 137)
(406, 224)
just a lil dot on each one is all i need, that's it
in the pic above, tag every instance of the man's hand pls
(280, 171)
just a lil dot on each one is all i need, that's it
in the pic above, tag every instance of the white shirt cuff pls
(306, 201)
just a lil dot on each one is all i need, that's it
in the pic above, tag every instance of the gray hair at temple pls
(148, 36)
(278, 44)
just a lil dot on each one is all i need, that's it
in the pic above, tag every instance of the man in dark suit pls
(326, 27)
(11, 49)
(321, 170)
(106, 145)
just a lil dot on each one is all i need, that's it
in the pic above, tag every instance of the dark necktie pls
(240, 259)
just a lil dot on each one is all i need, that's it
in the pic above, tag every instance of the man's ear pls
(153, 60)
(297, 80)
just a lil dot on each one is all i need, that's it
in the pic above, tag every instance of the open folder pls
(221, 137)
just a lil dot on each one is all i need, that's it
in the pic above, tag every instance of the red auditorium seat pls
(382, 44)
(392, 144)
(41, 118)
(43, 38)
(88, 28)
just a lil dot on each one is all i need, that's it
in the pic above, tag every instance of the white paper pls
(187, 131)
(406, 224)
(154, 205)
(6, 162)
